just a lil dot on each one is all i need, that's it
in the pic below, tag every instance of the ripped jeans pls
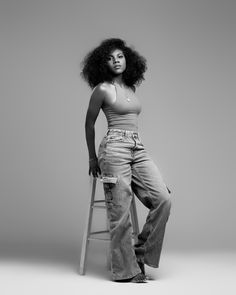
(126, 167)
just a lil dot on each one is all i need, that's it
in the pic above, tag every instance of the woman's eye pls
(110, 58)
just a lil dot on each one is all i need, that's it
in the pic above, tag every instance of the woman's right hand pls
(94, 168)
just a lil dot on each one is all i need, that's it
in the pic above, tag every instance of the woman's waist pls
(123, 132)
(126, 122)
(122, 135)
(122, 126)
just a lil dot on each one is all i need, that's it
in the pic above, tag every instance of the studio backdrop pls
(187, 122)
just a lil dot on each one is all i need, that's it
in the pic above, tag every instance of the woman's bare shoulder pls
(103, 91)
(103, 88)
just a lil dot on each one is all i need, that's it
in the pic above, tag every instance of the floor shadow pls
(53, 254)
(64, 256)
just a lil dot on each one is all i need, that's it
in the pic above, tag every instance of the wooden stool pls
(89, 236)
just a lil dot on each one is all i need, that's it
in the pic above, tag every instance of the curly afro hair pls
(95, 69)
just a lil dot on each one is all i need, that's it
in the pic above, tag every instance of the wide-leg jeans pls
(126, 166)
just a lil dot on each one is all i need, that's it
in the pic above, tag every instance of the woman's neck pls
(118, 80)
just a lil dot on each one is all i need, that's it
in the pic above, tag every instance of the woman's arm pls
(94, 107)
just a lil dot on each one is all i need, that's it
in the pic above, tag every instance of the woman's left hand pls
(94, 167)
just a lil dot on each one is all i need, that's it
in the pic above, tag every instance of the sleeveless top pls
(123, 113)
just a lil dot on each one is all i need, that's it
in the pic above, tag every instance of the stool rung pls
(107, 231)
(99, 232)
(103, 239)
(99, 239)
(99, 206)
(98, 201)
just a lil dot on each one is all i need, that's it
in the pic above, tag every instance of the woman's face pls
(116, 61)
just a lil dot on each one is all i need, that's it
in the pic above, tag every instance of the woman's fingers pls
(95, 172)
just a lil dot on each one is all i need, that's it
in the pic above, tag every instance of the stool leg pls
(134, 218)
(87, 230)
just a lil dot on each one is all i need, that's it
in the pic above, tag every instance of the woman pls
(113, 70)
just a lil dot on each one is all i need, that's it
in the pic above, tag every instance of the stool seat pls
(100, 235)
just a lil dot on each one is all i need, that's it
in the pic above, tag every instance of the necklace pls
(126, 96)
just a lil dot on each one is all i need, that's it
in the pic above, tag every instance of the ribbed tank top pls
(123, 113)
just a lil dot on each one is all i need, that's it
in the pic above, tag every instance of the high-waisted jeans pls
(126, 166)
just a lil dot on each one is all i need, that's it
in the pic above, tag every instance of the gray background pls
(187, 122)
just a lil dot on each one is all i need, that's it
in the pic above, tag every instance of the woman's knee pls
(165, 199)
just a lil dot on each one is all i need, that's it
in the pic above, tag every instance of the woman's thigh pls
(116, 176)
(148, 183)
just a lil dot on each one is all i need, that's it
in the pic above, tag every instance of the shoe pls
(139, 278)
(141, 265)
